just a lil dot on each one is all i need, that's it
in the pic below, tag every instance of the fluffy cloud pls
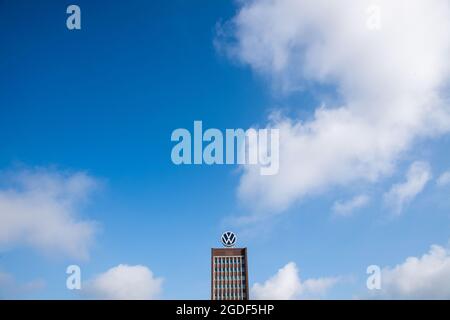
(400, 194)
(286, 285)
(124, 282)
(39, 209)
(426, 277)
(345, 208)
(388, 87)
(444, 179)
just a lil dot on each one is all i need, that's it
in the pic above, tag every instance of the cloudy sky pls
(358, 89)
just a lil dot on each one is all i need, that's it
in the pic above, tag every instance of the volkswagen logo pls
(228, 239)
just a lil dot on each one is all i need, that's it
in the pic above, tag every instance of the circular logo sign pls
(228, 239)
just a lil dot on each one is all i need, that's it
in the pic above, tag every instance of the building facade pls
(229, 274)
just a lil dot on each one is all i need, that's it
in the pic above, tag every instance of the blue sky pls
(105, 99)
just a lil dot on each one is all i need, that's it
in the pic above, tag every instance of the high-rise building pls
(229, 271)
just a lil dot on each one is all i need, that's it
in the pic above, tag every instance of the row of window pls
(228, 260)
(230, 286)
(228, 295)
(231, 269)
(229, 277)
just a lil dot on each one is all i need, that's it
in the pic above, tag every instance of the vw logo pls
(228, 239)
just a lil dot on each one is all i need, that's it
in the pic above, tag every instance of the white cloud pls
(124, 282)
(417, 177)
(346, 208)
(388, 86)
(444, 179)
(39, 209)
(426, 277)
(286, 285)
